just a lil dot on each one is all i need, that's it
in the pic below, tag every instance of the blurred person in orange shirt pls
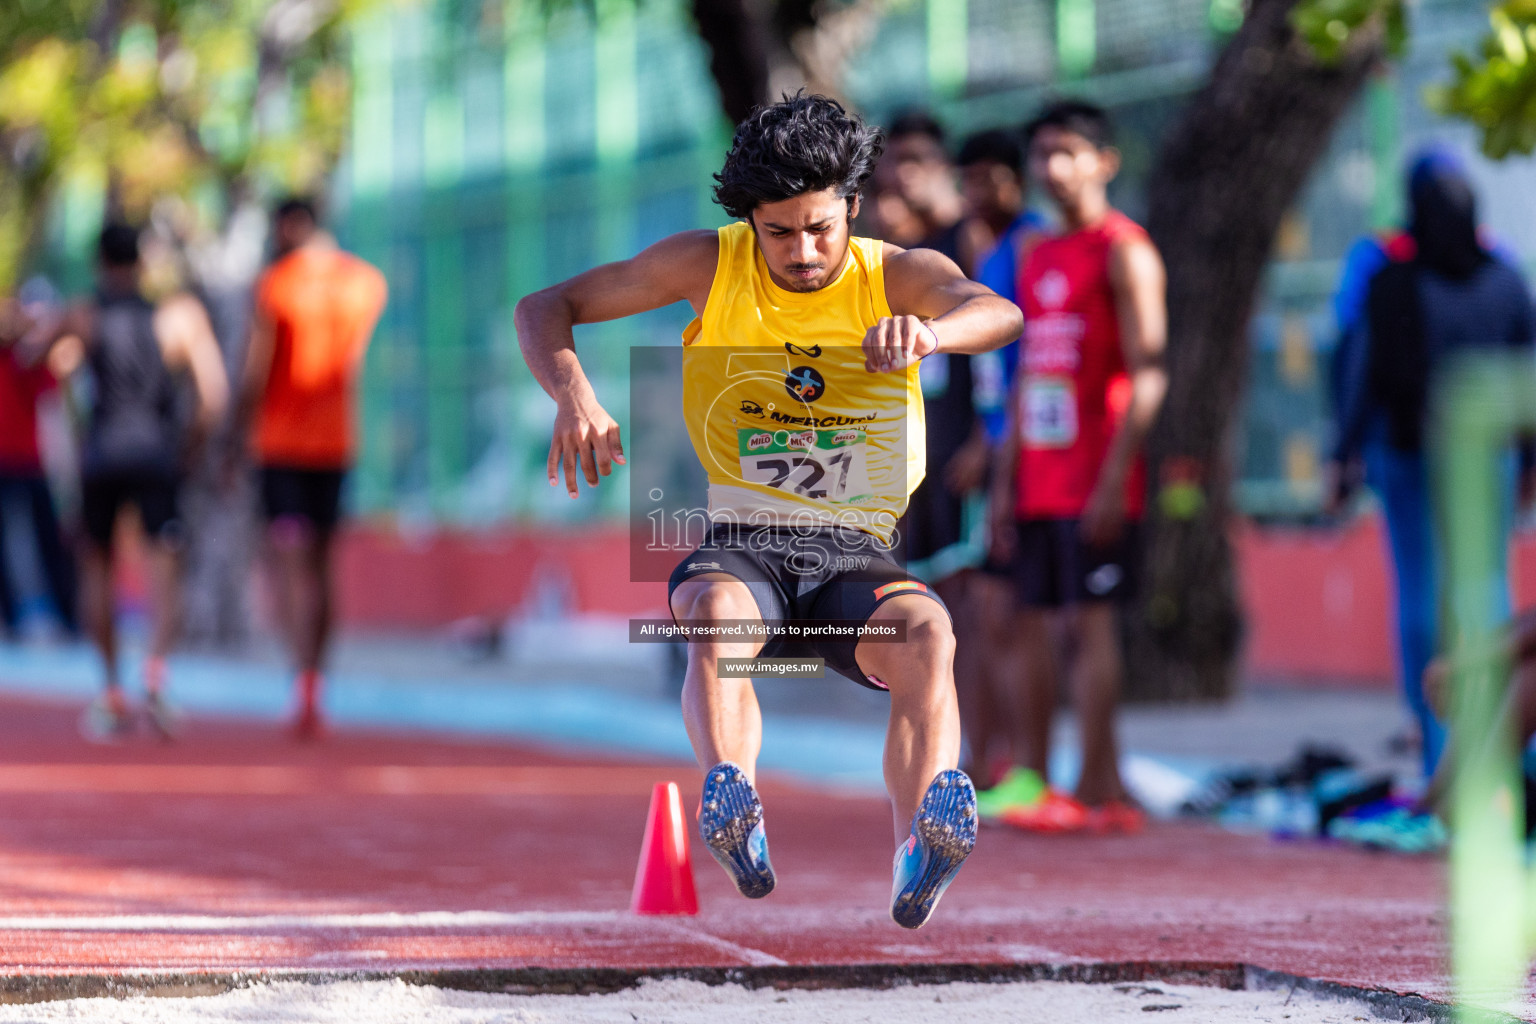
(316, 307)
(22, 479)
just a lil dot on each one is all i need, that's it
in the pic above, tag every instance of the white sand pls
(686, 1002)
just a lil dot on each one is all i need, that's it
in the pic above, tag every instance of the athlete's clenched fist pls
(896, 342)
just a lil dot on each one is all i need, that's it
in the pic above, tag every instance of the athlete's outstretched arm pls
(1138, 280)
(679, 268)
(937, 309)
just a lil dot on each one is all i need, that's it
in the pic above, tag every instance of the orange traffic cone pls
(664, 879)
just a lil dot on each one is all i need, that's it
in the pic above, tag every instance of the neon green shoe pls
(1021, 787)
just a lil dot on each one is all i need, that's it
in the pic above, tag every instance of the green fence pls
(488, 160)
(498, 148)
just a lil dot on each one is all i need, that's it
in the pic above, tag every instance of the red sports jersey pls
(1073, 387)
(19, 391)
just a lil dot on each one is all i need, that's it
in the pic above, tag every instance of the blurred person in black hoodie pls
(1449, 295)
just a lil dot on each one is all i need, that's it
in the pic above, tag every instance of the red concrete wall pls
(1319, 601)
(387, 579)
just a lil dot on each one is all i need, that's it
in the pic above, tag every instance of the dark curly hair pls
(802, 144)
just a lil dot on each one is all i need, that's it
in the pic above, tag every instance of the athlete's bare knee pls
(929, 636)
(713, 599)
(700, 604)
(932, 634)
(922, 659)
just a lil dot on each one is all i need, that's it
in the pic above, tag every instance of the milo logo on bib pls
(823, 465)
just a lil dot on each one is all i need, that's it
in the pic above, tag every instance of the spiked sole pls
(731, 812)
(945, 830)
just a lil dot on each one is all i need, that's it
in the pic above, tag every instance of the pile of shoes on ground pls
(1319, 793)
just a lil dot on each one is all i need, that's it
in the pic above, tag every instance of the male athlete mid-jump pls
(802, 401)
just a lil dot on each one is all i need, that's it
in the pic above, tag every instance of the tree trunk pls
(1224, 178)
(738, 60)
(760, 50)
(224, 534)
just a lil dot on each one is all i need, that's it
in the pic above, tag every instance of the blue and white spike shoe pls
(943, 835)
(731, 823)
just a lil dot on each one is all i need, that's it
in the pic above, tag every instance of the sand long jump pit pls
(910, 994)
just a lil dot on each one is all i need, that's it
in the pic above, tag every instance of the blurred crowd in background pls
(145, 384)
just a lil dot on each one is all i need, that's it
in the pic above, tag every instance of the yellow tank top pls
(788, 424)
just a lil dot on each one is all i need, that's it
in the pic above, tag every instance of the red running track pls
(236, 849)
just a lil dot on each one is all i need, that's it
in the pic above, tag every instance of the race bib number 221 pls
(824, 465)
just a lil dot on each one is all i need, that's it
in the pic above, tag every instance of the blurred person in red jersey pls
(22, 480)
(1070, 490)
(994, 187)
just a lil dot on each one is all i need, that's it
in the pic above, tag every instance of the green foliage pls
(1226, 16)
(1494, 90)
(1498, 91)
(151, 99)
(1328, 25)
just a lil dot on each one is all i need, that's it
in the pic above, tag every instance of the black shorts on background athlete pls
(103, 495)
(801, 576)
(312, 495)
(1053, 566)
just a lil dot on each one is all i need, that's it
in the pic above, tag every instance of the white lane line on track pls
(755, 957)
(368, 780)
(263, 922)
(376, 922)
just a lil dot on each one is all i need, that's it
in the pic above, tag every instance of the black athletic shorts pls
(1053, 566)
(807, 576)
(934, 520)
(310, 495)
(103, 495)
